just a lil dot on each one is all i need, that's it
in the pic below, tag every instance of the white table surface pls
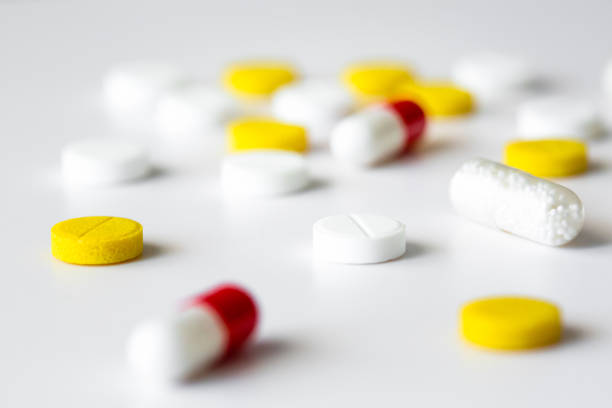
(331, 335)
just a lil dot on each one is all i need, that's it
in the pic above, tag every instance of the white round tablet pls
(264, 173)
(492, 76)
(315, 104)
(557, 117)
(358, 239)
(137, 86)
(195, 107)
(103, 161)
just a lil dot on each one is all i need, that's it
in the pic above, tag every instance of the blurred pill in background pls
(264, 133)
(378, 133)
(315, 104)
(264, 173)
(493, 78)
(375, 81)
(195, 108)
(438, 99)
(103, 161)
(558, 117)
(257, 79)
(547, 157)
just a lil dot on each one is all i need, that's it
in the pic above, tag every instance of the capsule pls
(511, 200)
(378, 133)
(211, 327)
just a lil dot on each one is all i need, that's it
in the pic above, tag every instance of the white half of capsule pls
(103, 161)
(511, 200)
(177, 347)
(556, 117)
(358, 239)
(264, 173)
(368, 137)
(135, 87)
(315, 104)
(193, 108)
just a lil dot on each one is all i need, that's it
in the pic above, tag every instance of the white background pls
(331, 335)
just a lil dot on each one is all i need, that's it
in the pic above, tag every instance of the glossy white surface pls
(331, 335)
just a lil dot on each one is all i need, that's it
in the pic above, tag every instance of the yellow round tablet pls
(262, 133)
(96, 240)
(257, 79)
(375, 80)
(437, 98)
(548, 157)
(511, 323)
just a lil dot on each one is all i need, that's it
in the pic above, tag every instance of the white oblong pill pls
(491, 76)
(195, 107)
(511, 200)
(264, 173)
(103, 161)
(176, 347)
(368, 137)
(358, 239)
(315, 104)
(555, 117)
(137, 86)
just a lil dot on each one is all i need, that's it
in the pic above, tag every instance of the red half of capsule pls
(236, 309)
(413, 119)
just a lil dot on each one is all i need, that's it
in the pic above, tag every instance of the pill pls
(137, 86)
(211, 327)
(511, 323)
(264, 173)
(378, 133)
(257, 79)
(358, 239)
(263, 133)
(511, 200)
(438, 99)
(547, 157)
(103, 162)
(375, 80)
(96, 240)
(194, 108)
(492, 77)
(555, 117)
(315, 104)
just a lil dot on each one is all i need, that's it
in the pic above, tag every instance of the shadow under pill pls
(589, 238)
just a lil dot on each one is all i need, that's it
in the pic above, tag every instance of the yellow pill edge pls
(256, 92)
(236, 140)
(508, 339)
(102, 252)
(545, 165)
(463, 101)
(405, 73)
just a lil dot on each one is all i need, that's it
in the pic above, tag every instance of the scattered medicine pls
(262, 133)
(210, 327)
(375, 80)
(438, 99)
(547, 157)
(378, 133)
(516, 202)
(96, 240)
(511, 323)
(258, 79)
(358, 239)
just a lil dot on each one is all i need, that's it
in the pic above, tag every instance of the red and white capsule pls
(209, 328)
(378, 133)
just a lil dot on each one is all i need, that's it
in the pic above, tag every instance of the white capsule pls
(212, 326)
(555, 117)
(314, 104)
(103, 161)
(136, 87)
(193, 108)
(264, 173)
(358, 239)
(378, 133)
(511, 200)
(492, 77)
